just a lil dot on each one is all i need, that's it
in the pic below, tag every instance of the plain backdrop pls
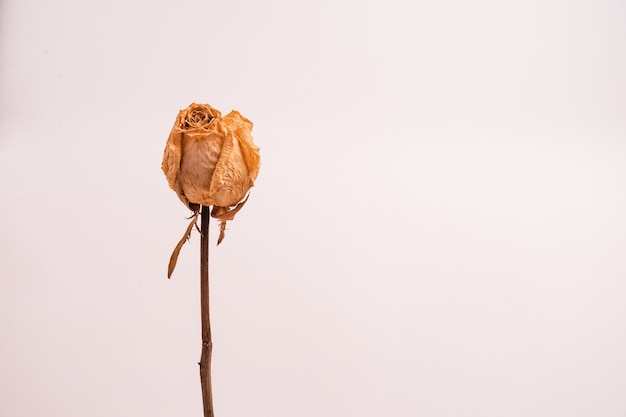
(438, 228)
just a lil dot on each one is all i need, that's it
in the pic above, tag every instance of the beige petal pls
(230, 181)
(242, 128)
(201, 153)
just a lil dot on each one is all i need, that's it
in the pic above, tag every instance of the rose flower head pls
(211, 160)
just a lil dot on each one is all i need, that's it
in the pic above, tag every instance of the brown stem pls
(207, 344)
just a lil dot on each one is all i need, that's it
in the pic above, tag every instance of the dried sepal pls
(179, 246)
(223, 214)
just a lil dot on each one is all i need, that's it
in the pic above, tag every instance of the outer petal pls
(201, 153)
(171, 160)
(230, 181)
(242, 128)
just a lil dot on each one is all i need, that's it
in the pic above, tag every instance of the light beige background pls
(438, 228)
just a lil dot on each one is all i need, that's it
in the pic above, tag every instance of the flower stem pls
(207, 344)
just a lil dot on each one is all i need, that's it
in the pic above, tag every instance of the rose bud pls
(211, 160)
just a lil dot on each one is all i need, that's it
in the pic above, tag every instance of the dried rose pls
(211, 160)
